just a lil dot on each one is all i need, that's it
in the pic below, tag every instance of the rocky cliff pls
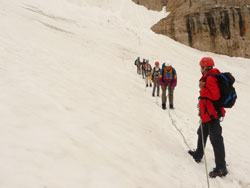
(220, 26)
(151, 4)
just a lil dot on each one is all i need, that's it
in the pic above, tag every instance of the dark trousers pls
(143, 73)
(156, 85)
(170, 94)
(138, 69)
(214, 130)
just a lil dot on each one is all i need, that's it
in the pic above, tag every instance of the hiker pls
(143, 64)
(168, 80)
(148, 70)
(138, 65)
(155, 78)
(210, 118)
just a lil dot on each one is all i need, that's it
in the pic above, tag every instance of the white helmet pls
(168, 64)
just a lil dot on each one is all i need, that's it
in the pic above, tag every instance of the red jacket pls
(208, 94)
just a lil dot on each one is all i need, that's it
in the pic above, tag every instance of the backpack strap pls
(214, 75)
(206, 111)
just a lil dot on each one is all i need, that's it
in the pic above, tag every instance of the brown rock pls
(209, 25)
(151, 5)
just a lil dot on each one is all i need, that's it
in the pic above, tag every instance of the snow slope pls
(75, 114)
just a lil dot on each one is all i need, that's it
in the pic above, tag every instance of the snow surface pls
(75, 114)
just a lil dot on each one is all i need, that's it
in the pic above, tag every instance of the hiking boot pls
(194, 155)
(164, 106)
(171, 106)
(218, 172)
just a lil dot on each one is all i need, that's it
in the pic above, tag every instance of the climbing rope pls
(174, 124)
(185, 141)
(205, 158)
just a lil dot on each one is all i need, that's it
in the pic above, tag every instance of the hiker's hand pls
(202, 85)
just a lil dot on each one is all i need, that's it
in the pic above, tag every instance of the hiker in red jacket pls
(210, 117)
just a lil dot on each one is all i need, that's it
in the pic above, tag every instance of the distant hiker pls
(168, 80)
(210, 115)
(148, 71)
(138, 65)
(155, 78)
(143, 66)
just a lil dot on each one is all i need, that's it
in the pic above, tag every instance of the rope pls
(174, 124)
(185, 141)
(203, 145)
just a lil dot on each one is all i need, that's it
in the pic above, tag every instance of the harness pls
(148, 68)
(156, 73)
(170, 74)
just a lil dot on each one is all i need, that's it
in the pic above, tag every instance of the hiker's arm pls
(211, 89)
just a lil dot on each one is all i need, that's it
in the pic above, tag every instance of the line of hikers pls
(166, 77)
(216, 93)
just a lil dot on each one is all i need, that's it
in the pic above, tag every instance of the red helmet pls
(207, 62)
(157, 63)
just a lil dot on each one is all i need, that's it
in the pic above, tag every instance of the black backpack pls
(227, 91)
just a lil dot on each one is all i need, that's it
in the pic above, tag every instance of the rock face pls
(220, 26)
(152, 5)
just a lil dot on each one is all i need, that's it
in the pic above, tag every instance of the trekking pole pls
(203, 145)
